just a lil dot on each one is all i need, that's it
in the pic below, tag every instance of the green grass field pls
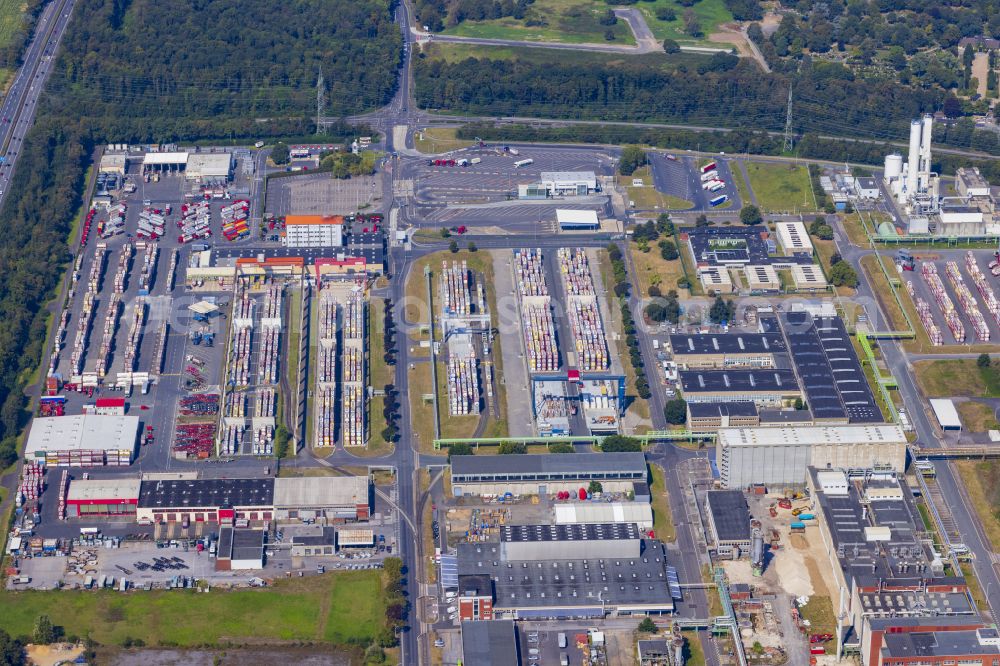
(710, 14)
(541, 55)
(335, 608)
(569, 21)
(950, 378)
(781, 188)
(11, 15)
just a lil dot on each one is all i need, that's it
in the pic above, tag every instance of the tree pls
(670, 46)
(609, 35)
(595, 487)
(512, 448)
(656, 312)
(701, 221)
(691, 24)
(453, 247)
(983, 361)
(445, 233)
(799, 404)
(632, 158)
(824, 232)
(472, 247)
(721, 311)
(460, 449)
(668, 250)
(561, 447)
(647, 626)
(619, 444)
(11, 650)
(44, 632)
(281, 440)
(750, 214)
(664, 225)
(280, 154)
(675, 411)
(842, 274)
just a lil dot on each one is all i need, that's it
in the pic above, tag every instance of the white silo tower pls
(913, 158)
(893, 167)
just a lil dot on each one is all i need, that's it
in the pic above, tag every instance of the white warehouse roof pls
(209, 165)
(103, 489)
(639, 513)
(325, 491)
(808, 276)
(811, 435)
(793, 237)
(576, 217)
(165, 158)
(947, 415)
(82, 433)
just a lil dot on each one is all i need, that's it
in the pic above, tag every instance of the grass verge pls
(949, 378)
(979, 477)
(781, 187)
(663, 523)
(977, 417)
(637, 405)
(819, 612)
(434, 140)
(427, 529)
(570, 21)
(337, 608)
(652, 269)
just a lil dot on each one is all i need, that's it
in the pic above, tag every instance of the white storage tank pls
(893, 166)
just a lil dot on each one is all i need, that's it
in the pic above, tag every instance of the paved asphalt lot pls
(682, 178)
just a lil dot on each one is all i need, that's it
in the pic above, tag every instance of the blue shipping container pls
(806, 516)
(798, 526)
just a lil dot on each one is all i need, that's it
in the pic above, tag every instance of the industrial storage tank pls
(893, 166)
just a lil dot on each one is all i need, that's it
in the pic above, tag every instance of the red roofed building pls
(109, 407)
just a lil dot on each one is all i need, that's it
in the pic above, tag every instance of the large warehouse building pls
(764, 388)
(779, 455)
(88, 440)
(102, 497)
(324, 499)
(565, 571)
(314, 230)
(545, 474)
(731, 350)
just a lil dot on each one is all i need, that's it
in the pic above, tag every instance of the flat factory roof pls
(159, 159)
(570, 532)
(916, 644)
(811, 435)
(210, 164)
(730, 515)
(576, 217)
(708, 410)
(578, 465)
(89, 490)
(81, 433)
(793, 237)
(308, 492)
(248, 544)
(726, 343)
(733, 381)
(489, 643)
(209, 493)
(581, 583)
(808, 276)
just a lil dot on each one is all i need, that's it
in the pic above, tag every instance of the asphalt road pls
(18, 108)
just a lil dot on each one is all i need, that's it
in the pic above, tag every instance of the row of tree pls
(742, 96)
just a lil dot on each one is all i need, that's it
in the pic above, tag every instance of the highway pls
(18, 109)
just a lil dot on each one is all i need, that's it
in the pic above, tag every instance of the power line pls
(788, 123)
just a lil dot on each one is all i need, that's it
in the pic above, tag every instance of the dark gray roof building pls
(577, 467)
(490, 643)
(206, 493)
(727, 343)
(729, 517)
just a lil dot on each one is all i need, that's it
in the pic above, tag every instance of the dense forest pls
(916, 42)
(440, 14)
(724, 92)
(144, 71)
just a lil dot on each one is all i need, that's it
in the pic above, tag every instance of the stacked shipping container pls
(985, 290)
(968, 302)
(929, 272)
(536, 311)
(924, 312)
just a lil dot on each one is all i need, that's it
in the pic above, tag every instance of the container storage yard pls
(354, 371)
(956, 298)
(460, 311)
(538, 328)
(326, 372)
(591, 344)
